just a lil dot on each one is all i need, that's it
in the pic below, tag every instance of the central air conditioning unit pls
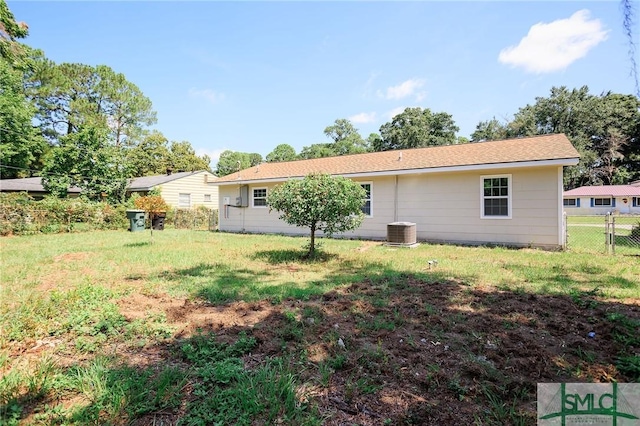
(401, 233)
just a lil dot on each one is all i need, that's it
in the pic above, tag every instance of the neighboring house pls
(180, 190)
(32, 186)
(600, 200)
(499, 192)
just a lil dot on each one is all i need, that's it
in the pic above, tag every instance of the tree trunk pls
(312, 244)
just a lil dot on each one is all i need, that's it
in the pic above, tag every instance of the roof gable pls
(509, 151)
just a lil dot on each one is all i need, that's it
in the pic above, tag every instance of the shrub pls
(20, 214)
(152, 204)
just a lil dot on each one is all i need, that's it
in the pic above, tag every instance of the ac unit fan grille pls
(401, 233)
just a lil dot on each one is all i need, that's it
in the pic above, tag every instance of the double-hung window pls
(496, 197)
(366, 206)
(259, 197)
(571, 202)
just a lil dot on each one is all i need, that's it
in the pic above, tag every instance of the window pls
(600, 202)
(496, 197)
(366, 207)
(571, 202)
(207, 198)
(260, 197)
(184, 200)
(636, 201)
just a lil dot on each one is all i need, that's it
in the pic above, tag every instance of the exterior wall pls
(446, 207)
(586, 209)
(196, 186)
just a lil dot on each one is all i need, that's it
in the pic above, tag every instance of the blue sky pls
(248, 76)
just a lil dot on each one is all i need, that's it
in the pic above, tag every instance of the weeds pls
(52, 294)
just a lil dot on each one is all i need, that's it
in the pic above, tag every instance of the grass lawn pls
(201, 328)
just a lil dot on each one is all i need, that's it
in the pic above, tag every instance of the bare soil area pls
(412, 352)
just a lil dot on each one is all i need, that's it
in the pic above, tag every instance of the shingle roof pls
(146, 183)
(32, 184)
(604, 191)
(531, 149)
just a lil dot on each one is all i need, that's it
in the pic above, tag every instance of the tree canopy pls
(417, 128)
(233, 161)
(282, 152)
(20, 144)
(72, 95)
(77, 124)
(604, 128)
(87, 160)
(320, 202)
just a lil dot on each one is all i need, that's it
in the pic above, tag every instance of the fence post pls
(613, 234)
(610, 233)
(607, 247)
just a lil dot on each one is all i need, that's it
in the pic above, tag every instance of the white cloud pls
(556, 45)
(208, 94)
(395, 112)
(403, 90)
(363, 117)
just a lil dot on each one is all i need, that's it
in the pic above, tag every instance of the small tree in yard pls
(319, 202)
(153, 205)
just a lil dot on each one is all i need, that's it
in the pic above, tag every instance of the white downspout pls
(395, 201)
(562, 232)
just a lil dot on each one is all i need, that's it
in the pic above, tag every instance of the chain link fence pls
(610, 234)
(198, 218)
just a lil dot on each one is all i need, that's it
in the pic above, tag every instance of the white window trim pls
(370, 198)
(509, 196)
(602, 205)
(253, 199)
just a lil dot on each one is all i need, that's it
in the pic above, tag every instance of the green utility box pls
(136, 220)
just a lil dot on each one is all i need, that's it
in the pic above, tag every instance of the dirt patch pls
(72, 257)
(412, 352)
(187, 316)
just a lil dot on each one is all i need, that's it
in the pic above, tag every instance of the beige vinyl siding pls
(444, 206)
(194, 185)
(447, 207)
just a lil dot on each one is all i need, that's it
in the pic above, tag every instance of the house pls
(32, 186)
(497, 192)
(180, 190)
(603, 199)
